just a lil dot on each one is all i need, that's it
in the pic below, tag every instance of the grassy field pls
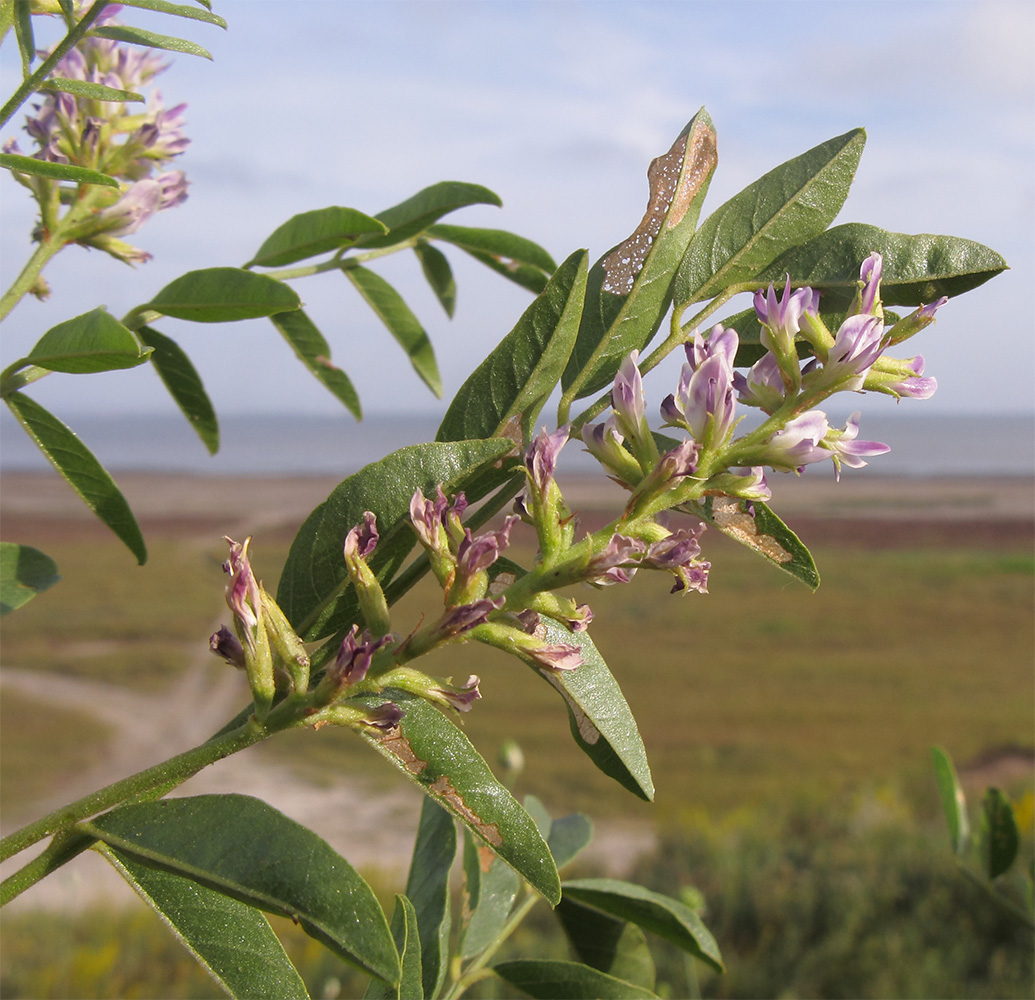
(788, 734)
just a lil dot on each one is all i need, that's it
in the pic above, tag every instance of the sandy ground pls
(861, 510)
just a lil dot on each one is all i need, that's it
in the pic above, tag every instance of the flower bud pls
(360, 543)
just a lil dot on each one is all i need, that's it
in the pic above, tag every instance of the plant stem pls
(162, 778)
(31, 84)
(39, 260)
(473, 972)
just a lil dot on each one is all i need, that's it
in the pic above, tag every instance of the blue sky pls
(558, 107)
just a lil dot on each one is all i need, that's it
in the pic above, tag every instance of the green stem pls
(164, 777)
(473, 972)
(339, 263)
(1000, 900)
(32, 83)
(21, 285)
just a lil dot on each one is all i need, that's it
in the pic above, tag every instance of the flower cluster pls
(136, 147)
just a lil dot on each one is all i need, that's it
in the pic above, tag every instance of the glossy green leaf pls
(438, 273)
(954, 805)
(313, 233)
(55, 171)
(24, 573)
(427, 889)
(93, 342)
(629, 288)
(791, 204)
(80, 469)
(608, 944)
(652, 911)
(917, 269)
(507, 248)
(23, 33)
(598, 714)
(93, 91)
(243, 848)
(427, 206)
(401, 323)
(441, 760)
(137, 36)
(515, 258)
(408, 943)
(1000, 838)
(547, 979)
(184, 383)
(315, 353)
(497, 886)
(312, 590)
(504, 394)
(177, 9)
(569, 836)
(223, 294)
(231, 940)
(754, 525)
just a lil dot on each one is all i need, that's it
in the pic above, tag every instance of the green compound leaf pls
(443, 762)
(406, 934)
(415, 214)
(787, 206)
(401, 323)
(755, 525)
(547, 979)
(137, 36)
(80, 469)
(177, 9)
(241, 847)
(93, 91)
(917, 269)
(93, 342)
(313, 589)
(652, 911)
(231, 940)
(514, 257)
(954, 805)
(24, 573)
(222, 295)
(492, 887)
(313, 233)
(439, 275)
(504, 394)
(600, 719)
(315, 353)
(630, 287)
(428, 887)
(184, 383)
(608, 944)
(1000, 837)
(55, 171)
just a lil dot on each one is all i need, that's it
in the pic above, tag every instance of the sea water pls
(922, 445)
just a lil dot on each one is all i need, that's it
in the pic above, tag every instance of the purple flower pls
(749, 483)
(869, 295)
(680, 553)
(361, 540)
(385, 717)
(629, 404)
(799, 443)
(555, 656)
(462, 618)
(846, 450)
(354, 657)
(763, 385)
(541, 457)
(459, 698)
(781, 318)
(721, 341)
(902, 378)
(225, 644)
(604, 443)
(616, 562)
(428, 519)
(478, 553)
(243, 595)
(857, 345)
